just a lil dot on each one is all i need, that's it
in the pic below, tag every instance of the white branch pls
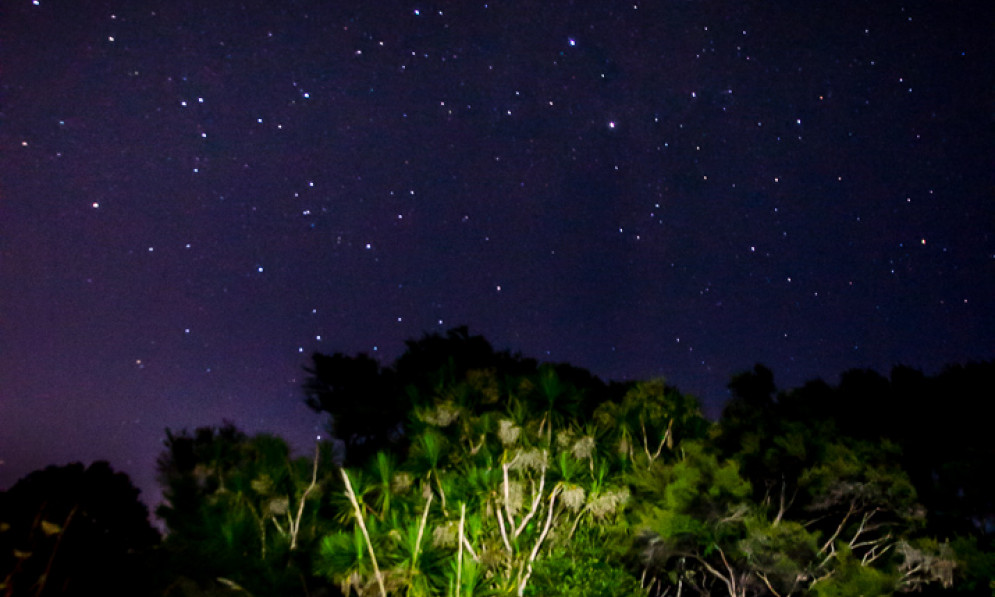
(860, 529)
(666, 436)
(732, 575)
(542, 537)
(535, 501)
(507, 500)
(295, 526)
(764, 578)
(459, 558)
(839, 529)
(730, 584)
(362, 526)
(504, 534)
(469, 548)
(421, 530)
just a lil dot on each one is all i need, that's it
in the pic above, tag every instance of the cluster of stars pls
(615, 173)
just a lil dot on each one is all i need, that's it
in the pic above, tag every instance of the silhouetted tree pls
(75, 530)
(362, 399)
(806, 450)
(369, 404)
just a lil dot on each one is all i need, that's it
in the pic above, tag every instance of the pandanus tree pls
(241, 511)
(650, 420)
(473, 472)
(493, 485)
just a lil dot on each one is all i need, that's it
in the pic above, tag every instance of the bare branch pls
(535, 501)
(732, 574)
(504, 534)
(421, 530)
(839, 529)
(507, 500)
(276, 523)
(362, 526)
(764, 578)
(666, 438)
(871, 542)
(646, 445)
(469, 548)
(783, 508)
(542, 537)
(442, 492)
(573, 527)
(459, 557)
(860, 529)
(870, 556)
(295, 525)
(729, 582)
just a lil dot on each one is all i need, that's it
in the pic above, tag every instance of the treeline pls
(461, 470)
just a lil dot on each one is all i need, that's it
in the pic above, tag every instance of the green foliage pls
(474, 472)
(492, 491)
(240, 508)
(696, 510)
(975, 565)
(851, 578)
(649, 421)
(781, 553)
(588, 567)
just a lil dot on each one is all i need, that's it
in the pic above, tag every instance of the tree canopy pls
(74, 530)
(459, 470)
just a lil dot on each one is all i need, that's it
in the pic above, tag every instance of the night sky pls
(196, 196)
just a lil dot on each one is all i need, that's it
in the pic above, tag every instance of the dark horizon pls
(302, 444)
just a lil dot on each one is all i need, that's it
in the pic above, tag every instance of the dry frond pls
(508, 432)
(50, 528)
(278, 506)
(583, 448)
(564, 439)
(401, 482)
(920, 567)
(516, 496)
(606, 504)
(442, 415)
(533, 459)
(444, 535)
(573, 497)
(351, 582)
(262, 484)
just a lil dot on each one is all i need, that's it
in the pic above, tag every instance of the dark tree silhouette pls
(74, 530)
(929, 426)
(362, 399)
(369, 404)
